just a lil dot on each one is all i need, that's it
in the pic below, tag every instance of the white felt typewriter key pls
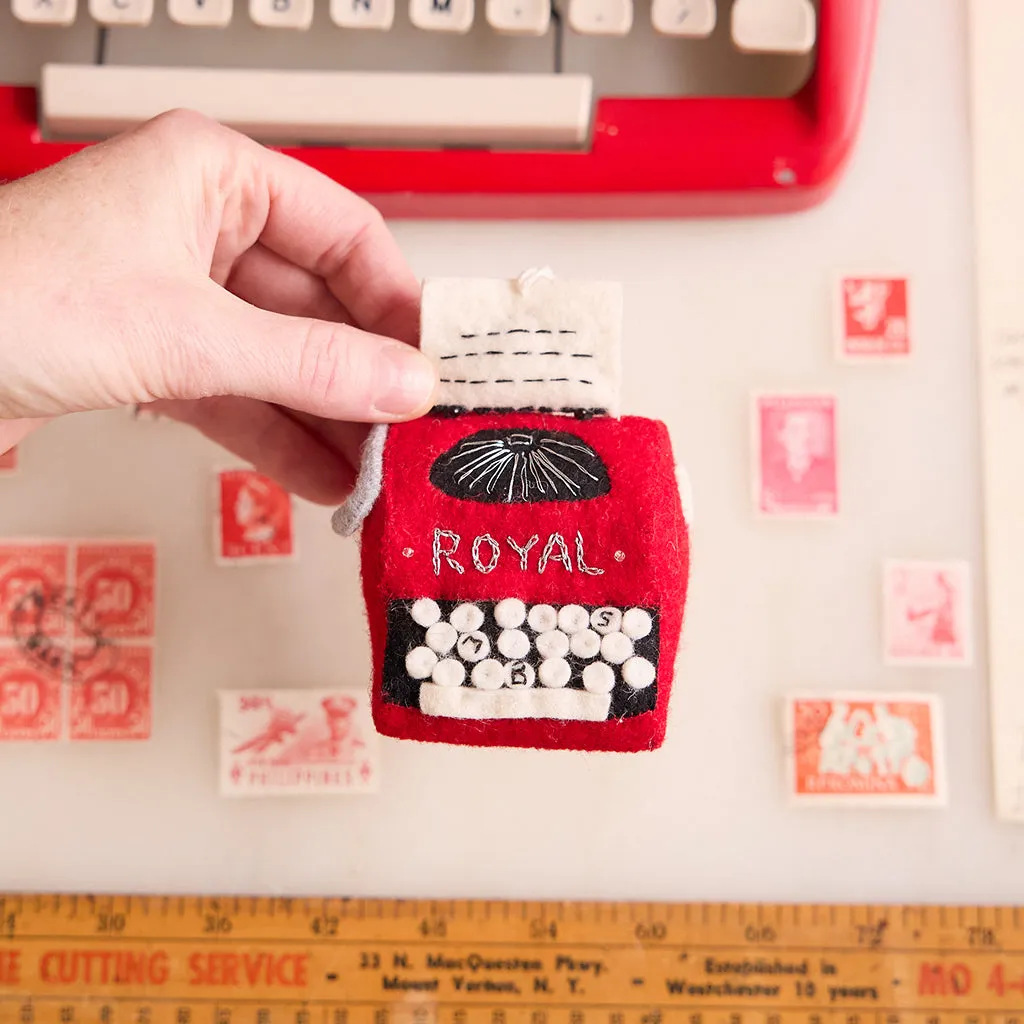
(573, 617)
(606, 620)
(448, 672)
(554, 673)
(488, 675)
(693, 18)
(542, 617)
(378, 14)
(121, 12)
(282, 13)
(509, 613)
(466, 618)
(601, 17)
(474, 647)
(209, 13)
(616, 648)
(425, 612)
(514, 643)
(420, 662)
(636, 623)
(599, 677)
(638, 673)
(442, 15)
(553, 644)
(585, 644)
(45, 12)
(519, 17)
(773, 26)
(441, 637)
(519, 675)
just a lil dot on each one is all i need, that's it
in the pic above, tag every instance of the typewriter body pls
(468, 108)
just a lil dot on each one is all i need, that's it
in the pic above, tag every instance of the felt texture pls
(531, 343)
(349, 516)
(626, 548)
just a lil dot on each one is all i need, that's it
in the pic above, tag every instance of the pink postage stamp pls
(115, 582)
(30, 697)
(33, 585)
(275, 742)
(927, 613)
(9, 460)
(254, 520)
(111, 697)
(873, 318)
(796, 458)
(865, 749)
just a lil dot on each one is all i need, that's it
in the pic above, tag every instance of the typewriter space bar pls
(376, 108)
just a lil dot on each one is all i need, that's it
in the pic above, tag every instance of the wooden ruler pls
(174, 960)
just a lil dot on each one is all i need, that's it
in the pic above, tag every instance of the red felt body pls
(641, 517)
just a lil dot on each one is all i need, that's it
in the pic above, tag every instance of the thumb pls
(319, 367)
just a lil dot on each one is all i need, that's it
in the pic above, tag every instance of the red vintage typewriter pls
(568, 108)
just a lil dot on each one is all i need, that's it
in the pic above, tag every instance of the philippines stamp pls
(30, 697)
(927, 613)
(796, 461)
(111, 699)
(866, 749)
(254, 519)
(115, 584)
(873, 318)
(275, 742)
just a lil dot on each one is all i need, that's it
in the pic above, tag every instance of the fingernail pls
(405, 381)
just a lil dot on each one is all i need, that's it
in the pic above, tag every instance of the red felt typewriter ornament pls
(525, 551)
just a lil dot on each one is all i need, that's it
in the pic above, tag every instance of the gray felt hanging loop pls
(349, 516)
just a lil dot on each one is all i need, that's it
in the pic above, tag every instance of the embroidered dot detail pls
(509, 613)
(606, 620)
(449, 672)
(572, 618)
(519, 675)
(542, 617)
(514, 643)
(599, 677)
(488, 675)
(620, 556)
(441, 637)
(466, 618)
(408, 552)
(616, 648)
(585, 644)
(553, 644)
(638, 673)
(554, 673)
(636, 623)
(420, 662)
(425, 612)
(474, 646)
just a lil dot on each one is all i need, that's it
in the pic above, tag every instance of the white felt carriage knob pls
(606, 620)
(519, 675)
(586, 644)
(553, 644)
(636, 623)
(638, 673)
(599, 677)
(601, 17)
(466, 618)
(519, 17)
(616, 648)
(474, 646)
(542, 617)
(573, 617)
(425, 612)
(514, 643)
(441, 637)
(488, 675)
(694, 19)
(509, 613)
(420, 662)
(773, 26)
(554, 673)
(448, 672)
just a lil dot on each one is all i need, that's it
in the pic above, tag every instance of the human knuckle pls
(328, 368)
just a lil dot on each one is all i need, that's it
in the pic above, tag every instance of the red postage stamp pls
(30, 698)
(111, 698)
(275, 742)
(927, 613)
(873, 318)
(878, 749)
(796, 457)
(115, 588)
(254, 521)
(33, 584)
(9, 460)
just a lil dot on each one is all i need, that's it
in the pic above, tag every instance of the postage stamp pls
(115, 587)
(866, 749)
(873, 318)
(275, 742)
(33, 583)
(254, 519)
(927, 613)
(9, 460)
(111, 699)
(30, 697)
(796, 472)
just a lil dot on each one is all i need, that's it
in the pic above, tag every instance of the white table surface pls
(713, 310)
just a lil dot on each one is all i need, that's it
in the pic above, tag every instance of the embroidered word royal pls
(445, 555)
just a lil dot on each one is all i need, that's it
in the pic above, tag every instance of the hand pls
(183, 265)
